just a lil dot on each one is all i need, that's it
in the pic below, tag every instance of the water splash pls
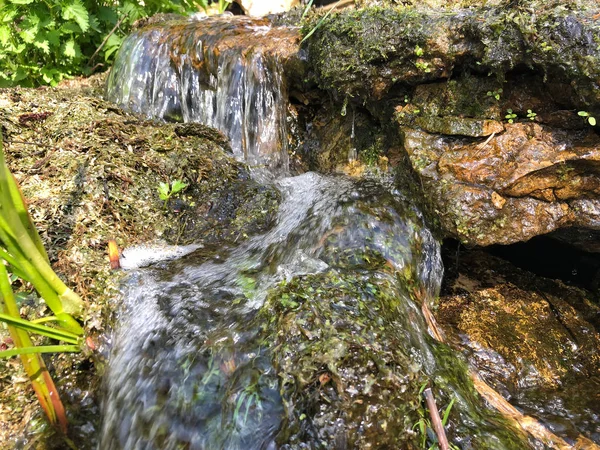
(199, 359)
(223, 73)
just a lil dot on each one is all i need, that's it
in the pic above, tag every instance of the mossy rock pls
(364, 53)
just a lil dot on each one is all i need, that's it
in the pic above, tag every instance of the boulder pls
(535, 340)
(529, 180)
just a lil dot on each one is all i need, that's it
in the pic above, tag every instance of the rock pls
(535, 340)
(459, 126)
(364, 53)
(264, 7)
(529, 180)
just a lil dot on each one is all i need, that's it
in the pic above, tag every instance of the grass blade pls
(39, 349)
(447, 411)
(52, 333)
(319, 23)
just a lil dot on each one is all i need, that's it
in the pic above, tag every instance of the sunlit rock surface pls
(527, 181)
(536, 340)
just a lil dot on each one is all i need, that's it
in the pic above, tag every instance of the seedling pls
(495, 94)
(166, 191)
(590, 119)
(510, 116)
(531, 115)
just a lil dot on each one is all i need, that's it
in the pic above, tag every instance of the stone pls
(534, 339)
(259, 8)
(530, 180)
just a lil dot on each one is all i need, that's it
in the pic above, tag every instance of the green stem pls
(53, 333)
(39, 349)
(39, 283)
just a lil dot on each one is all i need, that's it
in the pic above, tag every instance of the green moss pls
(361, 53)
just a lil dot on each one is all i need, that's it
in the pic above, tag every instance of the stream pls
(309, 335)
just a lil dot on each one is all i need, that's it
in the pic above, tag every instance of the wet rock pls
(536, 340)
(530, 180)
(459, 126)
(364, 53)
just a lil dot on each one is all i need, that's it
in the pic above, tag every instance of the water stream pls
(309, 335)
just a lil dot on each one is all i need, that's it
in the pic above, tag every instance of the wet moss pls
(346, 379)
(365, 52)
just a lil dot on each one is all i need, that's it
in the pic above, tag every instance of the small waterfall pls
(222, 73)
(309, 335)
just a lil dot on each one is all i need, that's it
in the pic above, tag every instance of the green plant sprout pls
(545, 47)
(531, 115)
(306, 9)
(589, 118)
(510, 116)
(495, 94)
(250, 397)
(222, 5)
(318, 25)
(166, 191)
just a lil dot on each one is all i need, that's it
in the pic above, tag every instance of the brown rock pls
(548, 178)
(535, 340)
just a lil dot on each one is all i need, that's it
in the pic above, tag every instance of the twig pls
(106, 38)
(436, 420)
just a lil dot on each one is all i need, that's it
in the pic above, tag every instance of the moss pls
(361, 53)
(343, 371)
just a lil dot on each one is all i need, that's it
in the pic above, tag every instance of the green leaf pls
(592, 121)
(164, 191)
(39, 349)
(4, 34)
(71, 49)
(69, 28)
(447, 411)
(53, 333)
(177, 185)
(53, 37)
(77, 12)
(21, 2)
(583, 113)
(42, 43)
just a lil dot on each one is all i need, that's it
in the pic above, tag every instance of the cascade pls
(309, 335)
(224, 73)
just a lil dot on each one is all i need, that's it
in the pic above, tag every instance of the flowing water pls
(223, 73)
(309, 335)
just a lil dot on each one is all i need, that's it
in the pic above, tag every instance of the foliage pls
(510, 116)
(531, 115)
(495, 94)
(423, 425)
(310, 32)
(46, 41)
(166, 191)
(22, 252)
(588, 117)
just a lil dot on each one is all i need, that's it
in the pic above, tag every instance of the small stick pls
(436, 420)
(106, 38)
